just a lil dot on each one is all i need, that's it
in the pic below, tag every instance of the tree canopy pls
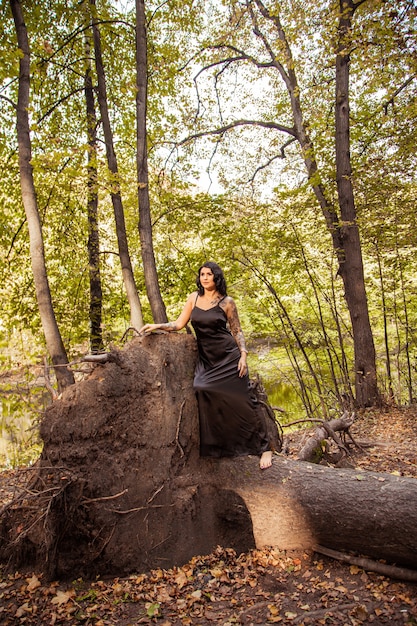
(232, 177)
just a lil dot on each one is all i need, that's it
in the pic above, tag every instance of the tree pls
(96, 294)
(145, 226)
(351, 264)
(136, 320)
(53, 338)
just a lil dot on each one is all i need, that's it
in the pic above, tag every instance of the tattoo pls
(234, 323)
(169, 326)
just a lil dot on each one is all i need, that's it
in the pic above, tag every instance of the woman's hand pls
(242, 366)
(148, 328)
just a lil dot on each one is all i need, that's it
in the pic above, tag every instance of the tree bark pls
(52, 335)
(145, 226)
(351, 267)
(136, 320)
(96, 295)
(121, 486)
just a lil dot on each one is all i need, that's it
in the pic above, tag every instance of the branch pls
(59, 102)
(241, 56)
(116, 495)
(277, 23)
(224, 129)
(281, 155)
(13, 104)
(396, 93)
(392, 571)
(46, 368)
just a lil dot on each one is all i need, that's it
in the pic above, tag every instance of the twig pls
(48, 385)
(324, 612)
(177, 433)
(107, 541)
(116, 495)
(140, 508)
(153, 496)
(278, 408)
(131, 328)
(335, 438)
(355, 443)
(310, 419)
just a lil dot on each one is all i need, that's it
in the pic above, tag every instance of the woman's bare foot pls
(266, 459)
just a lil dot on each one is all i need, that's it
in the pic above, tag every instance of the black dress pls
(229, 424)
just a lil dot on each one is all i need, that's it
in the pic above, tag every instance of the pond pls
(284, 397)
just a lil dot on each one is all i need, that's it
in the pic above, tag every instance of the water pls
(285, 398)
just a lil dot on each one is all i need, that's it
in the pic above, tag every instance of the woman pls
(229, 424)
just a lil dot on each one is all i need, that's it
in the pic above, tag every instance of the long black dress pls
(229, 424)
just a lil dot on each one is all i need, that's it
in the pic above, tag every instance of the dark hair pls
(219, 279)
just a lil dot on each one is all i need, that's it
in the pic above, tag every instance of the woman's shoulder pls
(227, 301)
(192, 297)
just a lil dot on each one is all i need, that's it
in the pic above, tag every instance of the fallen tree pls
(120, 486)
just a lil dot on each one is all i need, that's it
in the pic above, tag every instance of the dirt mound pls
(113, 444)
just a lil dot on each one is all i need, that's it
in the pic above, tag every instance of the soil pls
(225, 587)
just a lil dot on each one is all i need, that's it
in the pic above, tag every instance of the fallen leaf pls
(62, 597)
(181, 579)
(33, 583)
(24, 608)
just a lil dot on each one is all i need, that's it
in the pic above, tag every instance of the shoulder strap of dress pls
(196, 298)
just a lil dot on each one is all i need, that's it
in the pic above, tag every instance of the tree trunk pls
(121, 487)
(343, 230)
(136, 320)
(351, 267)
(52, 335)
(145, 226)
(96, 295)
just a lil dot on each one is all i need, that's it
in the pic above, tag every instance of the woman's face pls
(207, 278)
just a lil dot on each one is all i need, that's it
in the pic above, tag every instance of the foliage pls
(257, 219)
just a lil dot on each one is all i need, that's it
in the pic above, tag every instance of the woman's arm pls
(179, 323)
(235, 328)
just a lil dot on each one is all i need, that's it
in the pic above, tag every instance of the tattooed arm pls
(235, 328)
(182, 320)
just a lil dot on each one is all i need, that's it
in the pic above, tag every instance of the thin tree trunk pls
(327, 340)
(96, 295)
(342, 360)
(136, 320)
(145, 227)
(385, 318)
(52, 335)
(286, 320)
(351, 268)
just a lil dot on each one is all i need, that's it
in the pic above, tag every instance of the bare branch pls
(13, 104)
(276, 21)
(281, 155)
(397, 92)
(224, 129)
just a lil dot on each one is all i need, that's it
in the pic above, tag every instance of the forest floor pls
(260, 587)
